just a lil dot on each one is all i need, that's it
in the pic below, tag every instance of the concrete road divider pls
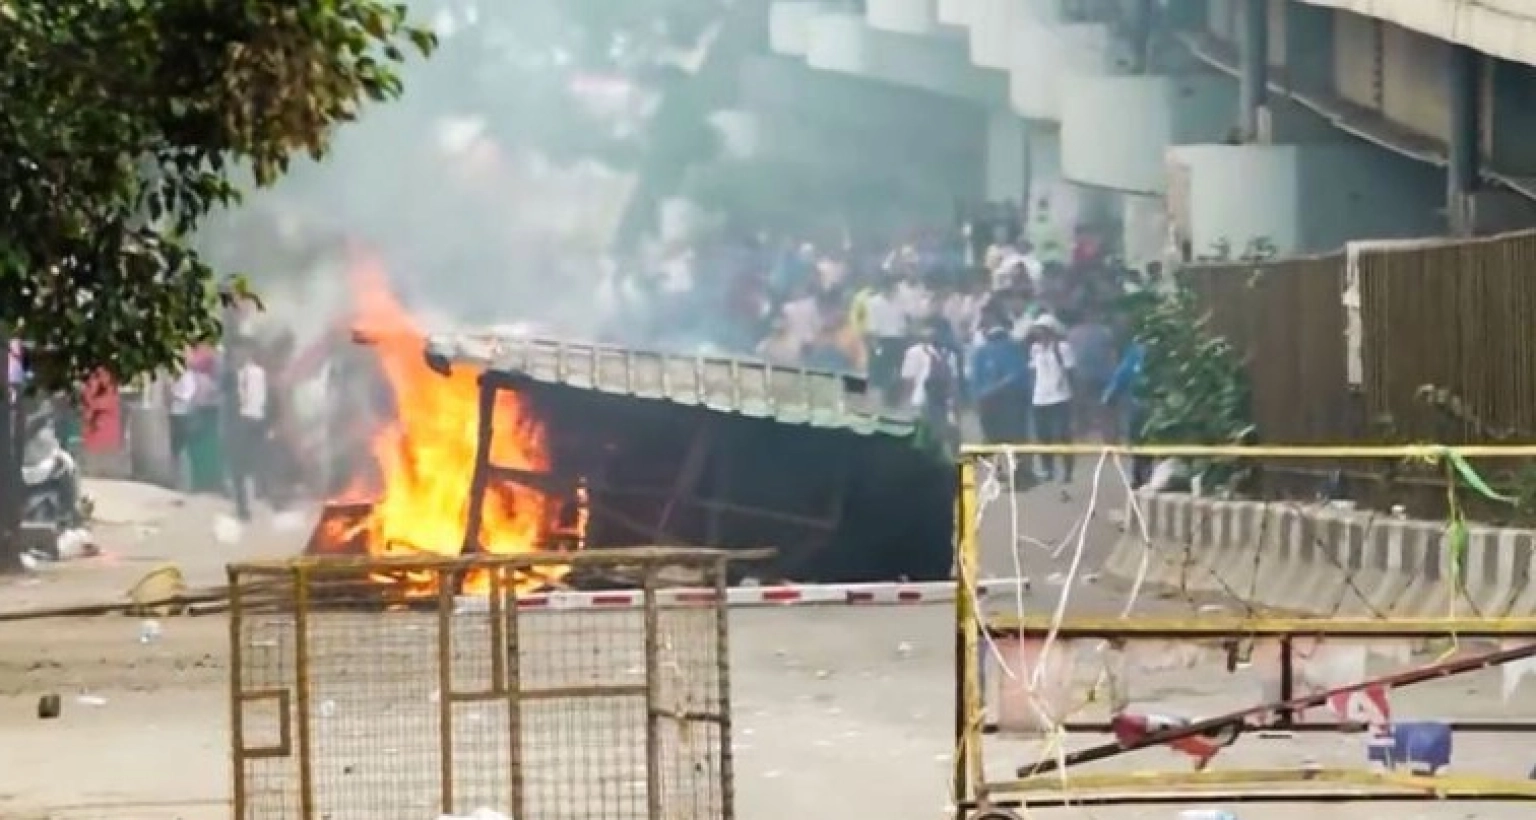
(1322, 559)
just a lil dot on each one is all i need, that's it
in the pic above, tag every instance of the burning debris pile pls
(411, 496)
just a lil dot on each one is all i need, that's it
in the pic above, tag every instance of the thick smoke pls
(474, 231)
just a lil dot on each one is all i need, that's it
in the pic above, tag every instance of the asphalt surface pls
(839, 711)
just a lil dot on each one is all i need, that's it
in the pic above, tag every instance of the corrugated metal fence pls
(1455, 320)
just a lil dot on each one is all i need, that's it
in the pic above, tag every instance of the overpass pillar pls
(1253, 81)
(1463, 79)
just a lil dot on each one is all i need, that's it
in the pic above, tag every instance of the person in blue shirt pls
(1122, 388)
(1001, 386)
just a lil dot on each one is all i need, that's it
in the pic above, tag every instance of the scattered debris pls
(477, 814)
(157, 592)
(149, 631)
(91, 700)
(77, 543)
(228, 529)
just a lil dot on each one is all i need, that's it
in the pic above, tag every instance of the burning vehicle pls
(501, 443)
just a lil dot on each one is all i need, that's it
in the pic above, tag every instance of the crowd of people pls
(951, 325)
(225, 425)
(969, 325)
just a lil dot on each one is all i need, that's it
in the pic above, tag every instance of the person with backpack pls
(1051, 359)
(932, 375)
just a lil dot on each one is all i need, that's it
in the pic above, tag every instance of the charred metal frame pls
(589, 492)
(1043, 785)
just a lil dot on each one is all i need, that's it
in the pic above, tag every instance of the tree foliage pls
(123, 123)
(1193, 386)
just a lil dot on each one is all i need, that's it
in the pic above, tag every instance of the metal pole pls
(485, 434)
(10, 469)
(302, 681)
(1463, 67)
(968, 729)
(653, 744)
(723, 686)
(1253, 82)
(236, 687)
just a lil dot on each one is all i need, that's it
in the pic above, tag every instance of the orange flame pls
(425, 456)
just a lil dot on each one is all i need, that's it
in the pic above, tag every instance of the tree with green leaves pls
(123, 124)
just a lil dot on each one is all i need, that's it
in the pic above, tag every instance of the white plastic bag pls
(1034, 684)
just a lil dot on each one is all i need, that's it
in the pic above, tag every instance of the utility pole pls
(10, 468)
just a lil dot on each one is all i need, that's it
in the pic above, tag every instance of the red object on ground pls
(1130, 729)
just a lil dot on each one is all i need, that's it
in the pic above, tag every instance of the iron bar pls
(1237, 718)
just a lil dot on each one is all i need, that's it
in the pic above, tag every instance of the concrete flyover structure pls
(1317, 559)
(1444, 83)
(1194, 124)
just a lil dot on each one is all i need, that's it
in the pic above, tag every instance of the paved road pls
(840, 712)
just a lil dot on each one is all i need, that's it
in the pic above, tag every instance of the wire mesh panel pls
(1198, 640)
(385, 689)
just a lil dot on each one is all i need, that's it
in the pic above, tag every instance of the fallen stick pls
(1238, 718)
(113, 607)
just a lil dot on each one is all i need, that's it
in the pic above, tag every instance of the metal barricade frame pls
(976, 797)
(354, 696)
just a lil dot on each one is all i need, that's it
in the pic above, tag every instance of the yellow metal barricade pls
(1404, 583)
(380, 689)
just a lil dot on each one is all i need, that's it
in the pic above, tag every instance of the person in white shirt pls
(886, 337)
(932, 374)
(962, 309)
(181, 398)
(916, 300)
(802, 317)
(1051, 359)
(249, 431)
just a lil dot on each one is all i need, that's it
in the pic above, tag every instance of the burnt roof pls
(743, 387)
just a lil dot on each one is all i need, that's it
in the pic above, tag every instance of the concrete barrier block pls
(1326, 561)
(1320, 560)
(1238, 556)
(1330, 539)
(1426, 594)
(1286, 568)
(1379, 581)
(1207, 547)
(1486, 582)
(1523, 585)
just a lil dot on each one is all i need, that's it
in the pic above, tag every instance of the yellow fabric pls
(858, 310)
